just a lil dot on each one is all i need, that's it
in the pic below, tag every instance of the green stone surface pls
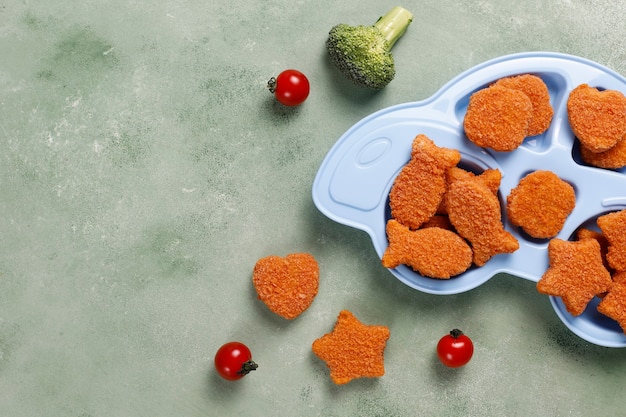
(145, 168)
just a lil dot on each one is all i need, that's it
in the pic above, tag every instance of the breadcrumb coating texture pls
(287, 285)
(498, 118)
(419, 187)
(575, 273)
(597, 117)
(353, 349)
(541, 203)
(613, 226)
(433, 252)
(537, 91)
(613, 305)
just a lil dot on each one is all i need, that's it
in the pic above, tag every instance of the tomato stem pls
(247, 367)
(271, 85)
(456, 333)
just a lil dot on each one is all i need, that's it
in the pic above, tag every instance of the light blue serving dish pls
(354, 180)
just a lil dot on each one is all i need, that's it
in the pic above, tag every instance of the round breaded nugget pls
(614, 158)
(597, 118)
(540, 204)
(287, 285)
(498, 117)
(537, 92)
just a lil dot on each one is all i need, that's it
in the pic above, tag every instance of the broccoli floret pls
(363, 53)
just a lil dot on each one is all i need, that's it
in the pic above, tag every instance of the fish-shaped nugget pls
(575, 273)
(597, 117)
(613, 226)
(490, 177)
(419, 187)
(433, 252)
(476, 215)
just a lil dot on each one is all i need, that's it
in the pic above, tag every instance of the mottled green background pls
(144, 168)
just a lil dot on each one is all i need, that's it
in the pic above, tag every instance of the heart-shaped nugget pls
(287, 285)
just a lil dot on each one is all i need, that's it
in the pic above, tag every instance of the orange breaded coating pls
(613, 305)
(614, 158)
(417, 190)
(540, 204)
(353, 349)
(613, 226)
(433, 252)
(287, 285)
(490, 177)
(475, 213)
(498, 118)
(575, 273)
(597, 118)
(438, 220)
(585, 233)
(537, 92)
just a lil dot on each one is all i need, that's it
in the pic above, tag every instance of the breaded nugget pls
(585, 233)
(353, 349)
(439, 220)
(540, 204)
(613, 226)
(537, 92)
(433, 252)
(614, 158)
(417, 190)
(613, 305)
(597, 118)
(287, 285)
(476, 215)
(490, 177)
(498, 118)
(575, 273)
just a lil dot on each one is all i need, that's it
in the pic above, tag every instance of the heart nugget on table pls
(287, 285)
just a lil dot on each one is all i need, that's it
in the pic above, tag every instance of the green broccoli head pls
(363, 53)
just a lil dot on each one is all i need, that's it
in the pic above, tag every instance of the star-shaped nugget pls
(576, 273)
(353, 349)
(614, 304)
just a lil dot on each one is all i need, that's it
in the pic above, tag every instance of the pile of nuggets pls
(445, 219)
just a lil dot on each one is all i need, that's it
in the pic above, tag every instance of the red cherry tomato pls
(455, 349)
(234, 361)
(291, 87)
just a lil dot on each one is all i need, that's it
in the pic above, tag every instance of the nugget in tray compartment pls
(287, 285)
(353, 349)
(476, 215)
(498, 118)
(597, 117)
(614, 304)
(419, 187)
(576, 273)
(537, 91)
(613, 226)
(433, 252)
(614, 158)
(541, 203)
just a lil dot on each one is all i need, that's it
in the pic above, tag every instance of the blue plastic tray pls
(353, 182)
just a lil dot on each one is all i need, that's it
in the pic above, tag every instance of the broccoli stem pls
(394, 24)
